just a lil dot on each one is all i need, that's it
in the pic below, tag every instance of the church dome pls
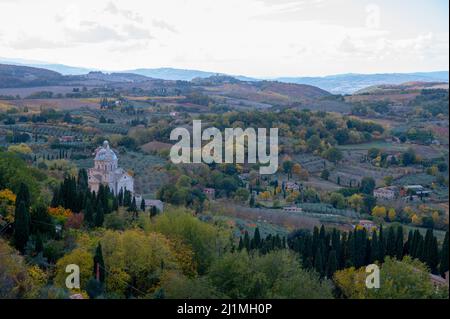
(105, 153)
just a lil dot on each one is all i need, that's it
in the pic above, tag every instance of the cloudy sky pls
(264, 38)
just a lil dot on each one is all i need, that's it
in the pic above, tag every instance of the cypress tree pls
(99, 217)
(127, 198)
(115, 204)
(307, 256)
(391, 242)
(375, 248)
(88, 213)
(143, 204)
(82, 181)
(399, 243)
(433, 258)
(257, 238)
(99, 264)
(331, 264)
(153, 211)
(315, 240)
(318, 263)
(23, 195)
(443, 265)
(21, 226)
(428, 243)
(408, 245)
(41, 221)
(39, 245)
(120, 197)
(133, 207)
(344, 251)
(241, 243)
(246, 241)
(252, 201)
(336, 243)
(381, 245)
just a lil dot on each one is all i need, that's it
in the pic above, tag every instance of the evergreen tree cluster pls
(328, 251)
(263, 245)
(30, 227)
(74, 194)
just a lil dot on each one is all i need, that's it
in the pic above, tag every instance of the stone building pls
(107, 172)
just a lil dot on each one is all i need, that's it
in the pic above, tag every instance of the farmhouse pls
(367, 224)
(209, 192)
(67, 139)
(292, 186)
(292, 209)
(418, 190)
(107, 172)
(149, 203)
(387, 193)
(438, 281)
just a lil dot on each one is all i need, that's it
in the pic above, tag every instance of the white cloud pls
(251, 37)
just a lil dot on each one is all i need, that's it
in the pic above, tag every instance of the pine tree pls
(443, 265)
(143, 204)
(21, 226)
(99, 264)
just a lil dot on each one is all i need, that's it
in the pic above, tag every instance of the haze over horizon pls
(255, 38)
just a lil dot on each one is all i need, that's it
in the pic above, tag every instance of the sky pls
(260, 38)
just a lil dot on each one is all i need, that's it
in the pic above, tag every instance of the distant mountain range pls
(350, 83)
(337, 84)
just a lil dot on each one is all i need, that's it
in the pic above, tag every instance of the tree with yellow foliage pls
(416, 220)
(7, 204)
(379, 211)
(20, 148)
(292, 196)
(391, 214)
(356, 201)
(296, 169)
(264, 195)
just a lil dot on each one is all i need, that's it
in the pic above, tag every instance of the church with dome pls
(107, 172)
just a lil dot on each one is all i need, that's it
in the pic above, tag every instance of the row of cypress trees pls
(74, 194)
(328, 251)
(264, 245)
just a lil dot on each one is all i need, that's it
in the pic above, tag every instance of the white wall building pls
(107, 172)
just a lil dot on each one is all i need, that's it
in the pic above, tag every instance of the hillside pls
(408, 86)
(24, 76)
(350, 83)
